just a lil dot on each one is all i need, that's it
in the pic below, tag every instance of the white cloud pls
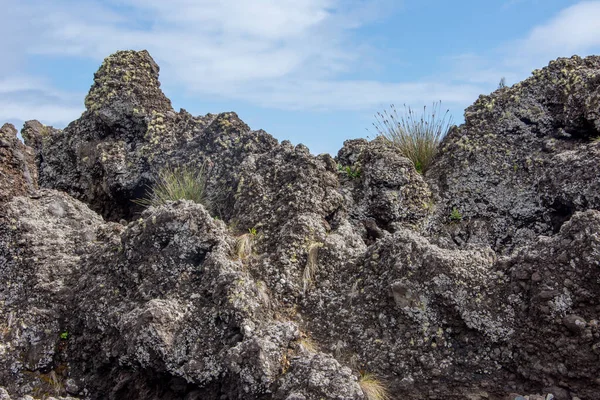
(25, 97)
(356, 95)
(274, 53)
(575, 29)
(47, 113)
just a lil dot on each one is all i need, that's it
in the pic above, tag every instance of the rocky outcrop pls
(18, 172)
(524, 161)
(129, 131)
(351, 265)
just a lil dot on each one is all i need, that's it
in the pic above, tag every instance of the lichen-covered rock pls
(524, 160)
(385, 189)
(302, 272)
(18, 172)
(5, 396)
(130, 132)
(42, 241)
(403, 308)
(318, 377)
(126, 89)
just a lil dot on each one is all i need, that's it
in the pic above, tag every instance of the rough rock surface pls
(525, 159)
(351, 265)
(18, 172)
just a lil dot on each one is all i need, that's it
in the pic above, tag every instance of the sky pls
(309, 71)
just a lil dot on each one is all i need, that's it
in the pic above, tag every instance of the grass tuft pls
(502, 83)
(417, 137)
(263, 295)
(311, 264)
(181, 183)
(308, 345)
(373, 388)
(244, 244)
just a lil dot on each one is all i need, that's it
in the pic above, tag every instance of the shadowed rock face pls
(355, 264)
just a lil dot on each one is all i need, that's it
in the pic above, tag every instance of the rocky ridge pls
(355, 265)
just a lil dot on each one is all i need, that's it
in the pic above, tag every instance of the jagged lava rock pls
(129, 131)
(18, 172)
(524, 161)
(354, 264)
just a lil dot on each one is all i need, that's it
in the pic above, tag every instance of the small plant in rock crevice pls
(353, 172)
(455, 215)
(373, 387)
(176, 183)
(416, 136)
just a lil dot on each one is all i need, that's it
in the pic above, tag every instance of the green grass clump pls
(455, 215)
(372, 387)
(417, 137)
(181, 183)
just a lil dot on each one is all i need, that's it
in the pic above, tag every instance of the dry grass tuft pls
(373, 388)
(263, 295)
(309, 345)
(417, 137)
(244, 244)
(311, 264)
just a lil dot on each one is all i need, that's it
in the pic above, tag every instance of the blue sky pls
(310, 71)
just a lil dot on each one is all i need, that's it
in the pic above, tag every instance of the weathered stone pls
(496, 170)
(574, 323)
(352, 264)
(18, 172)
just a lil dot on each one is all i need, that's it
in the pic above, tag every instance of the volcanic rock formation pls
(353, 264)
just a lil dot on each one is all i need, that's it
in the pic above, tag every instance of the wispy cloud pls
(274, 53)
(25, 97)
(575, 30)
(292, 54)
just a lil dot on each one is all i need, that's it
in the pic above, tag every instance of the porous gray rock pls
(129, 132)
(317, 377)
(42, 241)
(524, 161)
(18, 172)
(303, 272)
